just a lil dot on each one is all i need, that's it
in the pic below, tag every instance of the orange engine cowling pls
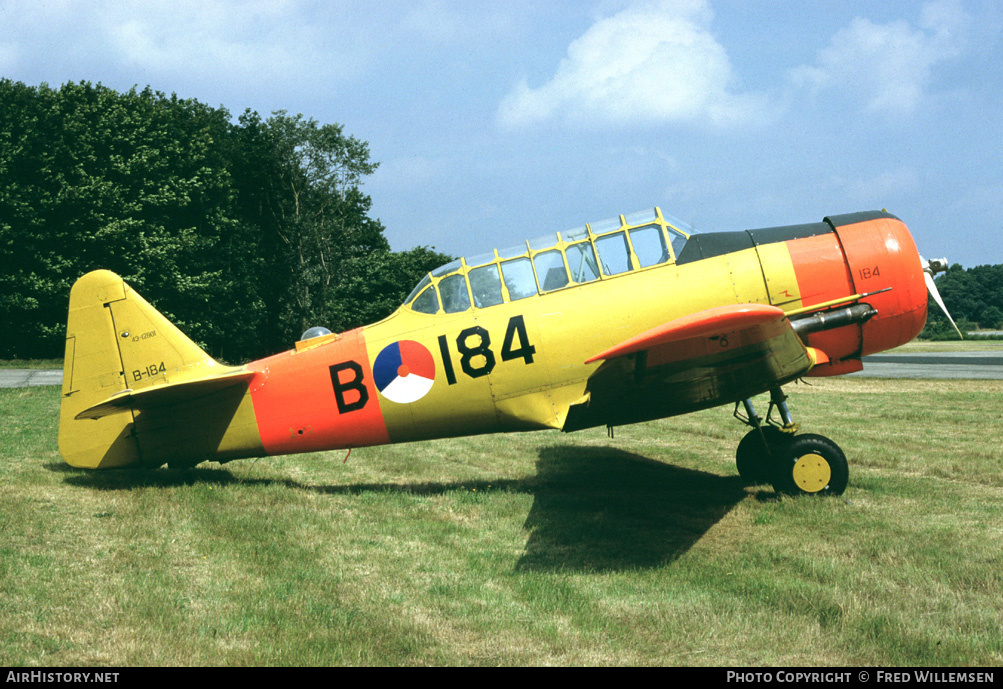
(865, 253)
(881, 253)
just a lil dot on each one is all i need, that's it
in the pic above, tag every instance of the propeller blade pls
(937, 265)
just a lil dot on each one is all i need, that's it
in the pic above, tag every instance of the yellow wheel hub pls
(812, 473)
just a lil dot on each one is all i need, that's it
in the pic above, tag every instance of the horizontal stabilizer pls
(165, 394)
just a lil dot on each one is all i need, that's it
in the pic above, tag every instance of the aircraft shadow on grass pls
(601, 508)
(594, 508)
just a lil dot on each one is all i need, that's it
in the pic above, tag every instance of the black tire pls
(810, 465)
(754, 459)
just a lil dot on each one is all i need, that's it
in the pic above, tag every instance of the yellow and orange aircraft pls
(627, 320)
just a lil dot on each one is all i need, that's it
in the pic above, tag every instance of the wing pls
(709, 358)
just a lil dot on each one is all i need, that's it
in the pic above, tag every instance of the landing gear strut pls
(795, 464)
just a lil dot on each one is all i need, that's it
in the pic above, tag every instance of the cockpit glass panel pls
(551, 271)
(519, 278)
(421, 285)
(678, 242)
(454, 294)
(481, 260)
(427, 302)
(604, 226)
(649, 245)
(582, 262)
(678, 224)
(640, 217)
(448, 268)
(679, 232)
(544, 242)
(513, 251)
(485, 286)
(614, 255)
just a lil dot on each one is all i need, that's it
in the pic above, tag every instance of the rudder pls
(116, 343)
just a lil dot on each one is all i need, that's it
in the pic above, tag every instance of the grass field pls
(521, 549)
(971, 345)
(31, 363)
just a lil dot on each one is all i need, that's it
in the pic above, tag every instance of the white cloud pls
(890, 65)
(652, 63)
(247, 40)
(196, 42)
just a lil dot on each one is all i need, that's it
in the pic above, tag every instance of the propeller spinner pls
(931, 268)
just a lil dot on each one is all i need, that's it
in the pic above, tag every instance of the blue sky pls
(499, 121)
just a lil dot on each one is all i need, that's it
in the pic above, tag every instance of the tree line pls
(244, 231)
(973, 296)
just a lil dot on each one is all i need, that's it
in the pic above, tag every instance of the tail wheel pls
(754, 458)
(810, 465)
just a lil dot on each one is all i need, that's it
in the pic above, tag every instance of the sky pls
(498, 121)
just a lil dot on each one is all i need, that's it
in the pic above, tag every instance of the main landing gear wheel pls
(810, 465)
(754, 459)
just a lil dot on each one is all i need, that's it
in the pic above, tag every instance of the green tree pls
(134, 182)
(374, 286)
(243, 233)
(992, 316)
(958, 290)
(312, 216)
(973, 295)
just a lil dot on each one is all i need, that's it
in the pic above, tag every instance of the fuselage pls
(520, 363)
(541, 336)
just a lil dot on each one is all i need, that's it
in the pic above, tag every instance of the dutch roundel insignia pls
(404, 371)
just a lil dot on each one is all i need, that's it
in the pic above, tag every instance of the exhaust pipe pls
(828, 320)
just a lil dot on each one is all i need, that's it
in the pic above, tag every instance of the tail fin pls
(136, 390)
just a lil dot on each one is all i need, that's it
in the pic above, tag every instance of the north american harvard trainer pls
(617, 322)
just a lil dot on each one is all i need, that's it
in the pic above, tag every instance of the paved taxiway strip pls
(26, 377)
(983, 365)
